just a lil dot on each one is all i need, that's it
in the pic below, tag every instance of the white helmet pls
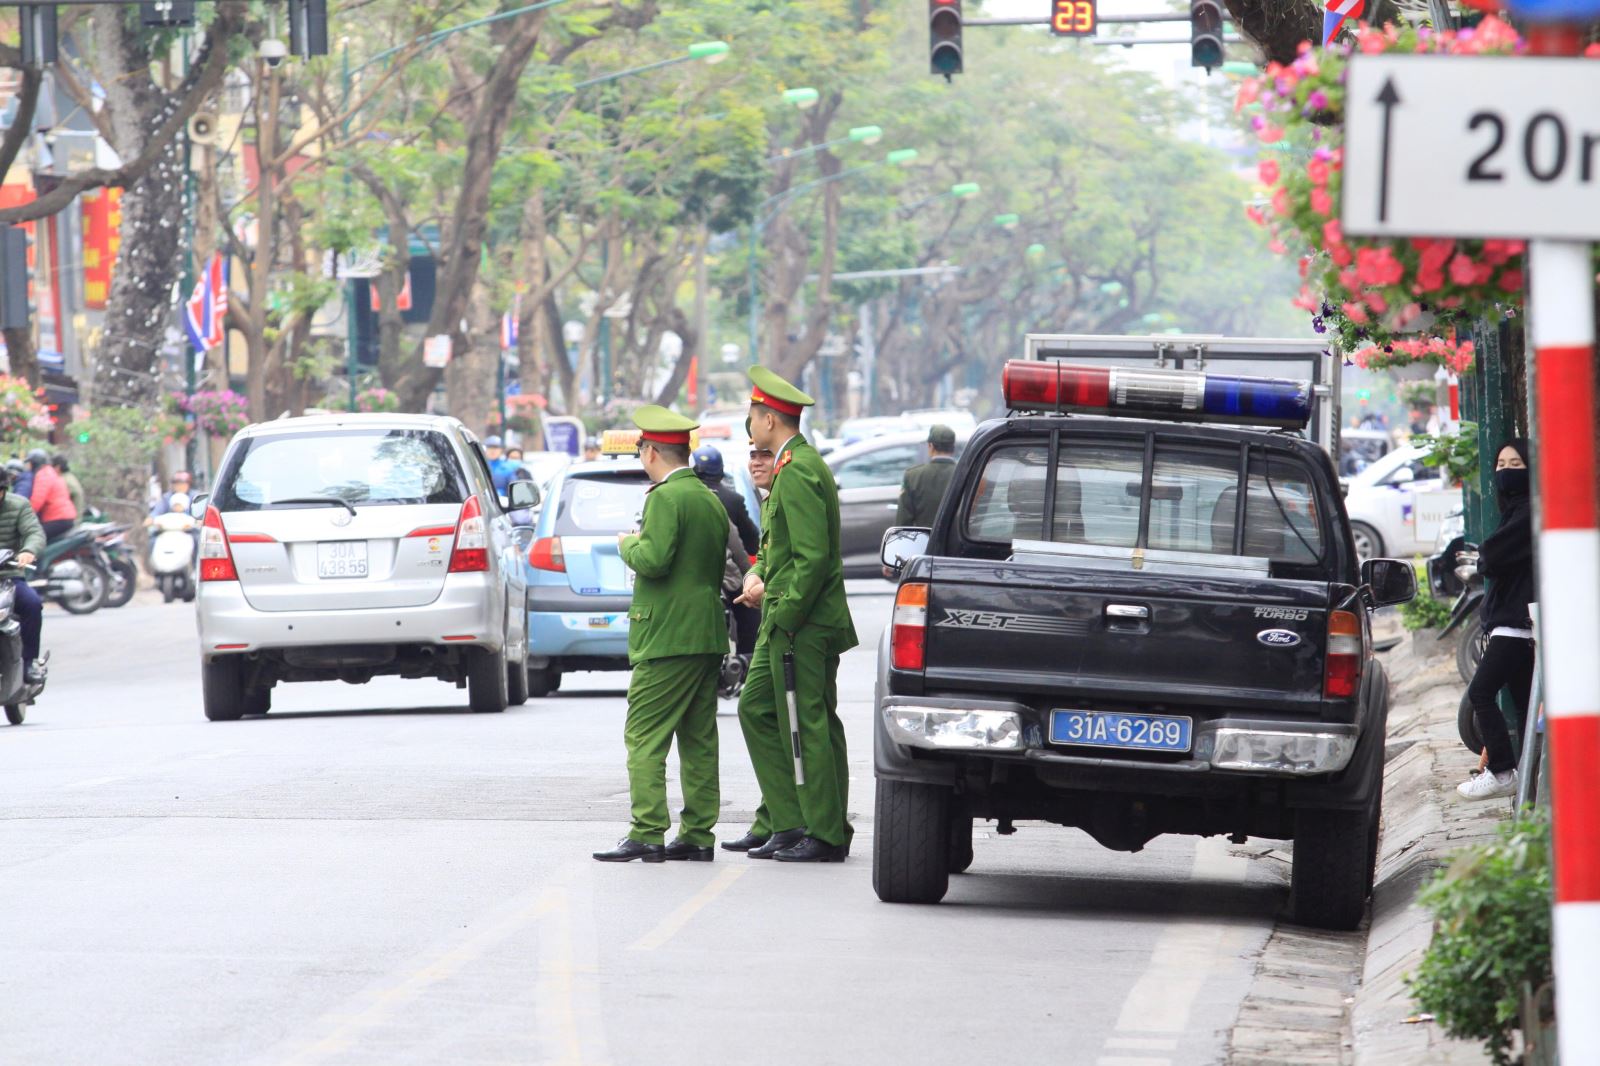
(179, 503)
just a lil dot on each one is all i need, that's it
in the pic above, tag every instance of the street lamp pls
(803, 98)
(708, 52)
(712, 52)
(899, 157)
(857, 135)
(1007, 221)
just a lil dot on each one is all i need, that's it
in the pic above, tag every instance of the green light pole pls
(857, 135)
(900, 157)
(961, 190)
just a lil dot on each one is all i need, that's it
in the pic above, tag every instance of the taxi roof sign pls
(626, 441)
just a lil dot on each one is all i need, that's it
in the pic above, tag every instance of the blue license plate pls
(1112, 729)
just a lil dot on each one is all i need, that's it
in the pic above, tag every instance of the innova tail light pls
(1342, 672)
(216, 557)
(471, 555)
(909, 638)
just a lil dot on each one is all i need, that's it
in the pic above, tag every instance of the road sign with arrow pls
(1472, 146)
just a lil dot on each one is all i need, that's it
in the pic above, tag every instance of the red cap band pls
(757, 396)
(680, 437)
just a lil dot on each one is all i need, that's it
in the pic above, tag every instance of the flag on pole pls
(1338, 11)
(206, 310)
(508, 325)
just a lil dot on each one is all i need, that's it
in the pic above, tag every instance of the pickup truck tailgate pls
(1046, 632)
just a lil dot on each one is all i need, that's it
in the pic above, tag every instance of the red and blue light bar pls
(1175, 395)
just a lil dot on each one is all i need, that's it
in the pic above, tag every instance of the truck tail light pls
(1342, 673)
(546, 554)
(216, 557)
(909, 639)
(471, 555)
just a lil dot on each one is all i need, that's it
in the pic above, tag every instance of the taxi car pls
(1139, 611)
(579, 589)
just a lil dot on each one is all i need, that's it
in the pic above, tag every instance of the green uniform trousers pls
(671, 697)
(821, 803)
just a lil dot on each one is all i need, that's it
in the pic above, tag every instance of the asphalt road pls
(373, 875)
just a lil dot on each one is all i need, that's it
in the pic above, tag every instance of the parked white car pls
(1397, 504)
(343, 547)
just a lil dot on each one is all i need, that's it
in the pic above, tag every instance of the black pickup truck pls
(1135, 626)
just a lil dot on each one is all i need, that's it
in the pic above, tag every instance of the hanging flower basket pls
(377, 400)
(23, 418)
(220, 412)
(1437, 351)
(1367, 290)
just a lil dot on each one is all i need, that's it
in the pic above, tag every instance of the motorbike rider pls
(50, 497)
(21, 532)
(709, 468)
(180, 485)
(80, 501)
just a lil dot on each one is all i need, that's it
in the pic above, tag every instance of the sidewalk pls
(1306, 1004)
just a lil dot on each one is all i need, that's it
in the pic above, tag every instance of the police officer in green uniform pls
(676, 639)
(799, 583)
(923, 488)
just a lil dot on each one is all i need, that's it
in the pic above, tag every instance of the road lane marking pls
(567, 1016)
(679, 918)
(1182, 960)
(94, 781)
(1140, 1043)
(384, 1001)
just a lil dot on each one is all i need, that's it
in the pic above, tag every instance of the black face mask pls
(1511, 482)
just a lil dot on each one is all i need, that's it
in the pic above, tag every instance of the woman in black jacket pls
(1505, 558)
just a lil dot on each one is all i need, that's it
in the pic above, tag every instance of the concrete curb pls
(1423, 823)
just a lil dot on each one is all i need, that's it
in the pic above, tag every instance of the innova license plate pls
(1113, 729)
(341, 558)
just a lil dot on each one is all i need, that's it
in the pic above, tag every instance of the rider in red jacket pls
(50, 497)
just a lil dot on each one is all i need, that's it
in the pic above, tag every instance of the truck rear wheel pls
(1329, 880)
(911, 845)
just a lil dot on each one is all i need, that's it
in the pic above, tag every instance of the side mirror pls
(198, 504)
(901, 544)
(521, 495)
(1392, 581)
(1402, 476)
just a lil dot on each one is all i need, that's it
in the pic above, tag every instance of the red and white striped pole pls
(1561, 320)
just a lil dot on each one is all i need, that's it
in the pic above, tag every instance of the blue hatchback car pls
(578, 587)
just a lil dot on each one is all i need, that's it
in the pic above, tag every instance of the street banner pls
(206, 310)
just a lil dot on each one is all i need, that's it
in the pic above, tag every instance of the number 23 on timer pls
(1073, 18)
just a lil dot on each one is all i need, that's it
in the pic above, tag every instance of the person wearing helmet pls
(20, 532)
(708, 467)
(591, 449)
(50, 497)
(500, 468)
(181, 483)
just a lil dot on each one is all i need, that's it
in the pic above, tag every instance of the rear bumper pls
(578, 634)
(468, 612)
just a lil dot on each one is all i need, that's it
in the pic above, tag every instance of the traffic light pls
(308, 28)
(13, 273)
(944, 37)
(1205, 34)
(38, 35)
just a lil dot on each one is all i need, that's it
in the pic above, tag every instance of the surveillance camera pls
(273, 51)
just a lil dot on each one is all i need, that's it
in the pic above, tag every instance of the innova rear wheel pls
(222, 689)
(486, 681)
(911, 842)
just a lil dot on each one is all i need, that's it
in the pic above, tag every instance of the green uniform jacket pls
(677, 556)
(20, 530)
(800, 559)
(922, 491)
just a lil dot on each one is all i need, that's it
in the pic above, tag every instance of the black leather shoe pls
(682, 851)
(777, 842)
(812, 850)
(627, 850)
(744, 843)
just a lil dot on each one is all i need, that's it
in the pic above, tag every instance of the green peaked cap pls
(655, 420)
(767, 384)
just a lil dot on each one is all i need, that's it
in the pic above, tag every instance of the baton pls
(794, 717)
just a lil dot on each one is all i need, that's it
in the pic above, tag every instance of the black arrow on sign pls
(1388, 98)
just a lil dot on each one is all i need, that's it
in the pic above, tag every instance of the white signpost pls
(1472, 146)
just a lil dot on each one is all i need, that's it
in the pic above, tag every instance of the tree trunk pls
(22, 355)
(470, 379)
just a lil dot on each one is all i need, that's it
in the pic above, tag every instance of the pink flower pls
(1435, 254)
(1271, 135)
(1332, 233)
(1276, 247)
(1268, 171)
(1280, 201)
(1511, 280)
(1463, 270)
(1305, 301)
(1378, 266)
(1340, 254)
(1254, 214)
(1317, 171)
(1304, 266)
(1356, 313)
(1376, 303)
(1321, 202)
(1373, 43)
(1349, 280)
(1408, 314)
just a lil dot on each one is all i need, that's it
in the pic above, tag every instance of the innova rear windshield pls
(363, 467)
(1151, 493)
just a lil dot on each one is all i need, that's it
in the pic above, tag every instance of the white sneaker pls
(1489, 785)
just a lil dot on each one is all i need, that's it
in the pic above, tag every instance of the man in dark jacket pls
(21, 532)
(923, 489)
(708, 467)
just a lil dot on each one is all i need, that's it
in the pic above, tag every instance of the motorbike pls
(112, 540)
(17, 693)
(735, 667)
(72, 572)
(1453, 571)
(172, 551)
